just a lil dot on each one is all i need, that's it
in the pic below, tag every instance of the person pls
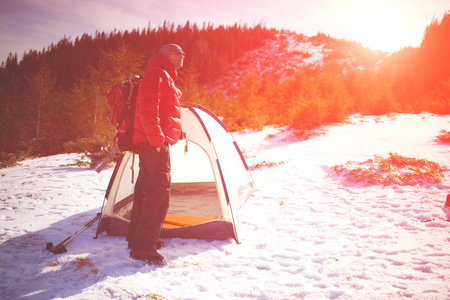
(157, 125)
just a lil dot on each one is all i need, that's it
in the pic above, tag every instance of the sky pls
(387, 25)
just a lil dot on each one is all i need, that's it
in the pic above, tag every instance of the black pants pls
(151, 197)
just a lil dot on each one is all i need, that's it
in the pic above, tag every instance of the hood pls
(162, 62)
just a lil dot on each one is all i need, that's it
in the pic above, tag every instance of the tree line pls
(52, 100)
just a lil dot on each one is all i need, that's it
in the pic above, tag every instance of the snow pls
(304, 234)
(281, 58)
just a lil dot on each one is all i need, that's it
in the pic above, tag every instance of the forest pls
(52, 101)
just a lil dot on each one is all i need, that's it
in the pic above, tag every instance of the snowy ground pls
(304, 234)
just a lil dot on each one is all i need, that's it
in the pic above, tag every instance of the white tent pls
(210, 182)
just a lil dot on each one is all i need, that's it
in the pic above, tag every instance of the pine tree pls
(434, 51)
(43, 100)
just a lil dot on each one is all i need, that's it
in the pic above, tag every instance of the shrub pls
(444, 136)
(90, 146)
(8, 160)
(394, 170)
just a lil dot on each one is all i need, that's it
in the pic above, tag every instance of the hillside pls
(290, 54)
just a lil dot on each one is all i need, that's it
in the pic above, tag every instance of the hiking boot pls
(152, 258)
(159, 244)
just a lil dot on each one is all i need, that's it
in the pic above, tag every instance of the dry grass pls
(84, 262)
(394, 170)
(304, 135)
(152, 296)
(265, 164)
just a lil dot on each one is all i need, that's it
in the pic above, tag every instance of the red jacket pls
(158, 114)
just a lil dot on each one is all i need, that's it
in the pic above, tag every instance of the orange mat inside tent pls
(176, 221)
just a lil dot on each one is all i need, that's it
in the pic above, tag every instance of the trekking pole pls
(108, 159)
(61, 247)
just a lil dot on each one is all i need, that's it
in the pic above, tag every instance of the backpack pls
(121, 100)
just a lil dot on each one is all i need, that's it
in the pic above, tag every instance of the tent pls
(210, 183)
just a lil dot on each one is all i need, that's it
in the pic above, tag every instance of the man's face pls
(177, 59)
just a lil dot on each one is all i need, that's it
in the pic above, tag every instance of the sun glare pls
(384, 35)
(381, 26)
